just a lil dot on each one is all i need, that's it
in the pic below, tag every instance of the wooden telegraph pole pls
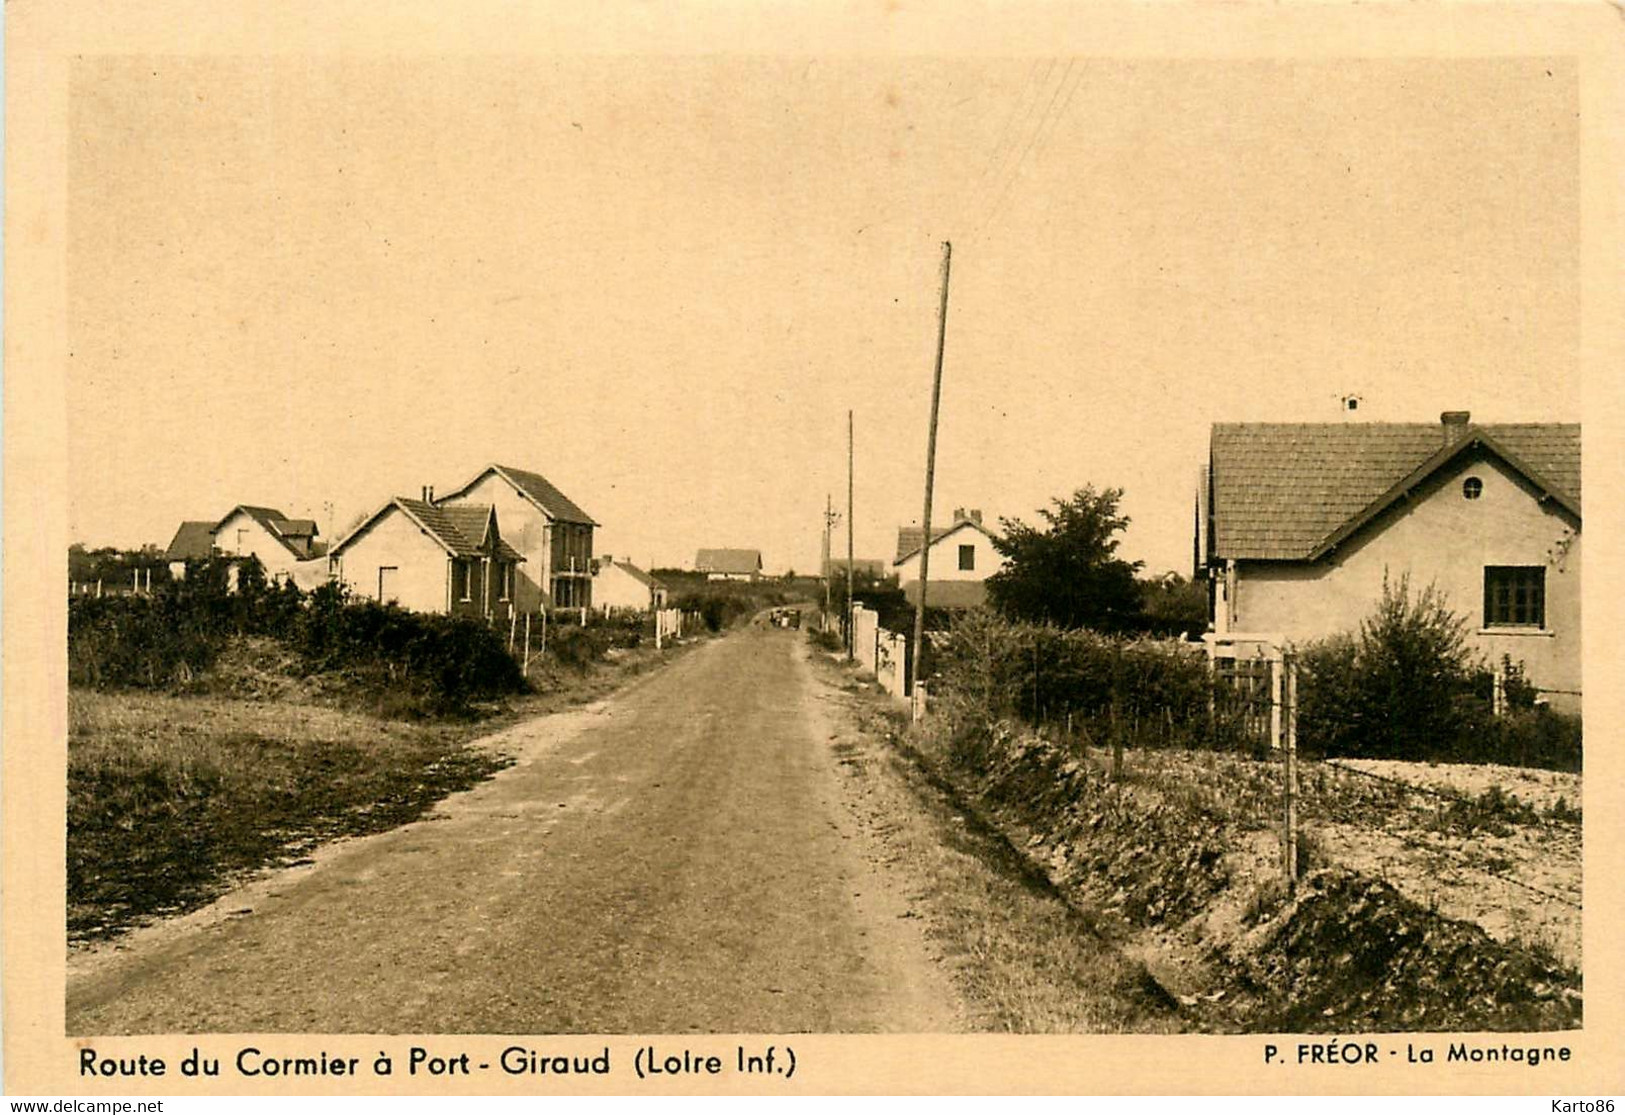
(930, 473)
(850, 640)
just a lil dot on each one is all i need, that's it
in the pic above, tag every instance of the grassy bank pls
(173, 796)
(1173, 862)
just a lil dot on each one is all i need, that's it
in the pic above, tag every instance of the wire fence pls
(1501, 849)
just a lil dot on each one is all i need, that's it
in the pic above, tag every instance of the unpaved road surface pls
(681, 856)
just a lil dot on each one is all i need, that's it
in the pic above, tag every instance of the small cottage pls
(962, 557)
(1299, 524)
(729, 565)
(620, 585)
(428, 558)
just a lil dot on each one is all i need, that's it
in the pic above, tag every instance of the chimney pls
(959, 513)
(429, 498)
(976, 515)
(423, 492)
(1454, 423)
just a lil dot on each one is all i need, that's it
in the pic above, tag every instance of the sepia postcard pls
(808, 548)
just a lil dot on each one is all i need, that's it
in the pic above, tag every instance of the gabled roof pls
(1294, 491)
(728, 561)
(194, 541)
(533, 486)
(909, 538)
(294, 534)
(445, 526)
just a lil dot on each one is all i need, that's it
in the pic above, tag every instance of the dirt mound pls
(1352, 953)
(1175, 875)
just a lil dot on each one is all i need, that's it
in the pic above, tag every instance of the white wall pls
(523, 527)
(1442, 538)
(614, 587)
(396, 540)
(945, 558)
(273, 555)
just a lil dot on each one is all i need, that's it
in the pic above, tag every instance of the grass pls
(1023, 960)
(171, 798)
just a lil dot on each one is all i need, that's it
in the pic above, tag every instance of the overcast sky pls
(663, 282)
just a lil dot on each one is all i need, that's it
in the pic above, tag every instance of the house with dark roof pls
(193, 541)
(430, 558)
(620, 585)
(729, 565)
(286, 548)
(1299, 524)
(552, 533)
(962, 557)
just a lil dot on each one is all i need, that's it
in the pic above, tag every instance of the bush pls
(440, 663)
(1407, 687)
(1142, 692)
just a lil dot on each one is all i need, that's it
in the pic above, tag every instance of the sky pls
(663, 282)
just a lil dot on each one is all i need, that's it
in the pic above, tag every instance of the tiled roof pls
(728, 561)
(194, 541)
(459, 529)
(291, 533)
(534, 487)
(443, 525)
(472, 520)
(908, 538)
(1281, 490)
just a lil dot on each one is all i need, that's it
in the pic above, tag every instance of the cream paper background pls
(51, 432)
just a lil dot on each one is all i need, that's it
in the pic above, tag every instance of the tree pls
(1067, 572)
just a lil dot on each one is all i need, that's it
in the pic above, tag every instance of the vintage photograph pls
(613, 545)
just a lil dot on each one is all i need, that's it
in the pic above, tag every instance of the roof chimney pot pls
(1454, 423)
(976, 515)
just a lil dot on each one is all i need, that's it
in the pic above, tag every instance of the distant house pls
(193, 541)
(962, 557)
(429, 558)
(542, 524)
(286, 548)
(729, 565)
(1299, 523)
(620, 584)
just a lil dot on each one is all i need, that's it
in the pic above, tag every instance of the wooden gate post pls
(1289, 667)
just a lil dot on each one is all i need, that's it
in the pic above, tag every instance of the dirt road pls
(679, 857)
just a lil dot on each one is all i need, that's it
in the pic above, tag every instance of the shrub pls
(1108, 688)
(1407, 687)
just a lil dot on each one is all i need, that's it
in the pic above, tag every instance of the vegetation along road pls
(692, 853)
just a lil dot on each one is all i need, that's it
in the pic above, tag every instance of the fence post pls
(1117, 740)
(527, 644)
(1289, 667)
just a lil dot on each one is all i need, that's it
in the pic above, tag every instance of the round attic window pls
(1472, 488)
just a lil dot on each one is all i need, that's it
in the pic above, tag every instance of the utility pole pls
(831, 517)
(849, 607)
(930, 474)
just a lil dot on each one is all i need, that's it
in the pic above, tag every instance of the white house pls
(1300, 523)
(426, 558)
(962, 557)
(542, 524)
(286, 548)
(193, 541)
(620, 584)
(729, 565)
